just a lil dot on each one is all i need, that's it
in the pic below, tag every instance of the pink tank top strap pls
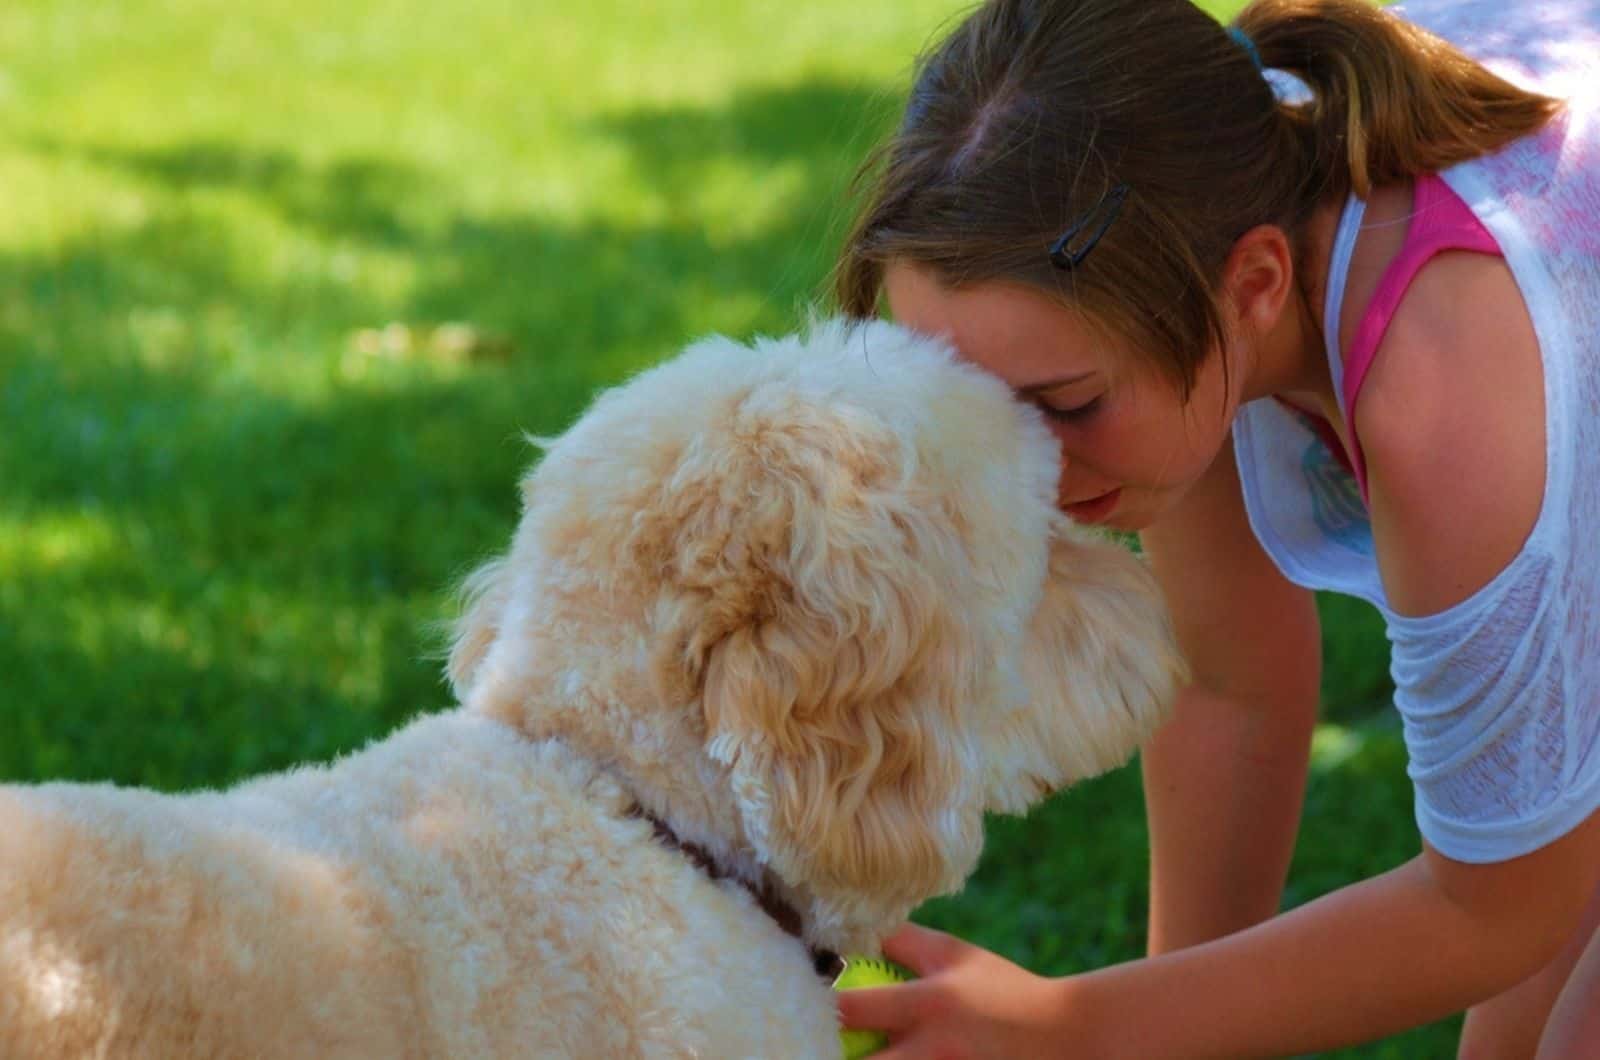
(1440, 221)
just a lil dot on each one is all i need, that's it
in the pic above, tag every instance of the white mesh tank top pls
(1500, 694)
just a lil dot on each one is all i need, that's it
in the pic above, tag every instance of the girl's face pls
(1130, 445)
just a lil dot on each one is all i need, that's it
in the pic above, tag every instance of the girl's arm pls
(1393, 952)
(1224, 780)
(1410, 946)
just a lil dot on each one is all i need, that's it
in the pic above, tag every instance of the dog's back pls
(454, 891)
(142, 925)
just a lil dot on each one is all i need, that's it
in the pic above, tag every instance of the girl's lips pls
(1094, 509)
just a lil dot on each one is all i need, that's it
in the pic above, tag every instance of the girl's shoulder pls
(1451, 419)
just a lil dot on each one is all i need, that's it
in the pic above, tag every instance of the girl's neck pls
(1291, 360)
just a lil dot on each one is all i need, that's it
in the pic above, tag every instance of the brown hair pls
(1030, 112)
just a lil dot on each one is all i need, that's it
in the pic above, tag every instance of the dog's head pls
(815, 601)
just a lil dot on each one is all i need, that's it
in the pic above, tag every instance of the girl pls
(1344, 336)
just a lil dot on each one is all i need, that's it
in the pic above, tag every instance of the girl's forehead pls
(1013, 331)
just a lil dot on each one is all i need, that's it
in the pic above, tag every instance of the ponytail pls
(1389, 99)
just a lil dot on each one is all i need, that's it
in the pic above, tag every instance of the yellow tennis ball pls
(859, 972)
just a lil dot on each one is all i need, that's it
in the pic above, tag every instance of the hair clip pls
(1066, 257)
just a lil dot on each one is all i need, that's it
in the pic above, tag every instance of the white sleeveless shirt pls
(1500, 694)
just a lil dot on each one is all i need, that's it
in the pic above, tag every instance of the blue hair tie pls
(1242, 39)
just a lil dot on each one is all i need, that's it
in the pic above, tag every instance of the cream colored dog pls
(777, 628)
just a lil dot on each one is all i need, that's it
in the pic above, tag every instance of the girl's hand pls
(967, 1002)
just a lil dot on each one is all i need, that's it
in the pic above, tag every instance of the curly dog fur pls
(809, 605)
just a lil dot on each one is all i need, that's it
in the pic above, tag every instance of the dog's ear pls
(805, 607)
(1100, 668)
(484, 596)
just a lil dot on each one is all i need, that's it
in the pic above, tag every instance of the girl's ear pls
(1258, 279)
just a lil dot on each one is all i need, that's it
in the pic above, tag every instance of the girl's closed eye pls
(1076, 413)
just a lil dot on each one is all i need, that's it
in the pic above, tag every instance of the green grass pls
(228, 535)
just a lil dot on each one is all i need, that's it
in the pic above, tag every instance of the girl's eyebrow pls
(1050, 384)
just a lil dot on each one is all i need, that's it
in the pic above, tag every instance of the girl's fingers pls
(923, 950)
(878, 1008)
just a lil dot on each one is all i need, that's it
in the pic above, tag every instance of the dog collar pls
(827, 963)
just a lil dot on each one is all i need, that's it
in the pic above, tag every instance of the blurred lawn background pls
(281, 285)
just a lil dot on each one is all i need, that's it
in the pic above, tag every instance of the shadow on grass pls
(560, 290)
(826, 127)
(273, 540)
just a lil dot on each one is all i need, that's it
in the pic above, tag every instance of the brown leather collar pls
(827, 963)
